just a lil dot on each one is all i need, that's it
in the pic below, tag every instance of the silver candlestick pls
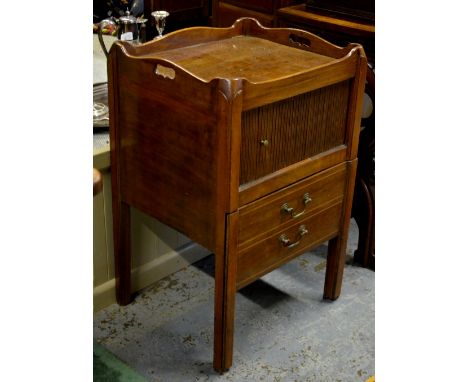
(160, 17)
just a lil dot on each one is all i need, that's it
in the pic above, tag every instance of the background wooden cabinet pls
(341, 31)
(338, 30)
(227, 11)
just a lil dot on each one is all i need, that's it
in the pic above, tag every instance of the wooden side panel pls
(277, 135)
(171, 145)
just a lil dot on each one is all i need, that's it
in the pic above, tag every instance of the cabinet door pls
(280, 134)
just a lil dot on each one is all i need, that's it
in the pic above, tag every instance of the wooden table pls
(245, 140)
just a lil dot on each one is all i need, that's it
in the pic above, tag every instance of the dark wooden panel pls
(227, 14)
(257, 5)
(183, 14)
(263, 6)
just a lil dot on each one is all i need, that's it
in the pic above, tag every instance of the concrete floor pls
(284, 331)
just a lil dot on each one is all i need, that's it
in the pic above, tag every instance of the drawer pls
(290, 204)
(268, 254)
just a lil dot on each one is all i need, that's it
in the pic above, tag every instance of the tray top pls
(252, 58)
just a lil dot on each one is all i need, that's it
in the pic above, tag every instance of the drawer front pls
(268, 254)
(282, 133)
(290, 204)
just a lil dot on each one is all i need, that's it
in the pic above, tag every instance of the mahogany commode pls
(244, 139)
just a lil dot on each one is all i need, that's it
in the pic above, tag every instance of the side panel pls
(170, 143)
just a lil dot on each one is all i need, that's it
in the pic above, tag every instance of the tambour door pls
(282, 133)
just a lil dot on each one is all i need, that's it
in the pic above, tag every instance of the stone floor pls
(284, 331)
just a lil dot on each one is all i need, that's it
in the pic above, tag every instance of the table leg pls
(122, 253)
(225, 297)
(337, 246)
(335, 267)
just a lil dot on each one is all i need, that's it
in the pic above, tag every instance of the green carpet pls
(108, 368)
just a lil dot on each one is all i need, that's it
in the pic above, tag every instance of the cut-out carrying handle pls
(164, 71)
(299, 40)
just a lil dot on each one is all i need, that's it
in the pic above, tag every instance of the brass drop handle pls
(289, 210)
(287, 243)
